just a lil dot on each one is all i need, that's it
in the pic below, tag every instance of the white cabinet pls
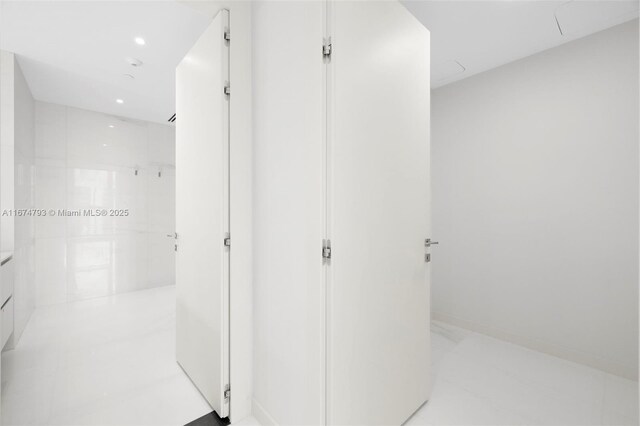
(8, 67)
(341, 212)
(7, 321)
(6, 281)
(6, 297)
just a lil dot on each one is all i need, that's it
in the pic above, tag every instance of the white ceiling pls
(73, 52)
(468, 37)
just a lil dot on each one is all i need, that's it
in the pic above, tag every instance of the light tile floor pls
(478, 380)
(110, 361)
(104, 361)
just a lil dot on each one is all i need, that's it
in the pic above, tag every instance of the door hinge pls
(326, 48)
(227, 35)
(227, 240)
(227, 89)
(227, 393)
(326, 249)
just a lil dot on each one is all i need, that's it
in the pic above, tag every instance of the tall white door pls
(202, 214)
(378, 281)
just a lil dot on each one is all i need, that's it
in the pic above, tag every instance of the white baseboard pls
(261, 415)
(540, 346)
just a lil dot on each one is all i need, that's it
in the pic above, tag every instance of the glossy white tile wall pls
(88, 160)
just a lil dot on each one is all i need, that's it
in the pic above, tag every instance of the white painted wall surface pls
(288, 304)
(83, 163)
(24, 291)
(535, 201)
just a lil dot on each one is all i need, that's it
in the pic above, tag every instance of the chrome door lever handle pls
(429, 243)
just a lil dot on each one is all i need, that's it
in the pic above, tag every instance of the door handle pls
(429, 243)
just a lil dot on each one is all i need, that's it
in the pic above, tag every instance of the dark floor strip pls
(211, 419)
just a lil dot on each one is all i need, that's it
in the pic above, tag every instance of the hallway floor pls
(110, 361)
(478, 380)
(107, 361)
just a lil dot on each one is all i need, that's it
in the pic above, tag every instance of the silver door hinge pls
(326, 249)
(227, 89)
(227, 240)
(227, 393)
(326, 48)
(227, 35)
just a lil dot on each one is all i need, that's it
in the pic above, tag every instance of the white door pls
(378, 287)
(202, 214)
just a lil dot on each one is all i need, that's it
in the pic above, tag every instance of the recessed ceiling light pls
(120, 101)
(140, 41)
(111, 126)
(104, 144)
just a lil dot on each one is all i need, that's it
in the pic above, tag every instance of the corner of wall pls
(261, 415)
(23, 198)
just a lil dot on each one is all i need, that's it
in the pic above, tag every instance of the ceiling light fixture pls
(111, 126)
(140, 41)
(120, 101)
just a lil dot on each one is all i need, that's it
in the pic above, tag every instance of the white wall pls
(288, 223)
(535, 201)
(84, 163)
(24, 198)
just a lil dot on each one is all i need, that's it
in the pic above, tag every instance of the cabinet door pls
(378, 287)
(202, 214)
